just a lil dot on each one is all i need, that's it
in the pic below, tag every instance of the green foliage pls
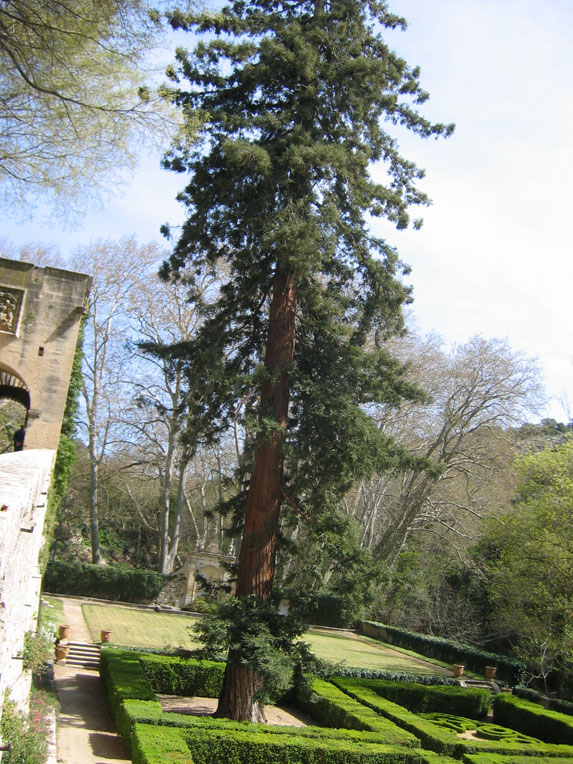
(508, 670)
(486, 730)
(72, 85)
(12, 417)
(332, 550)
(159, 745)
(67, 452)
(38, 650)
(293, 98)
(123, 678)
(555, 704)
(395, 676)
(365, 718)
(499, 758)
(179, 676)
(532, 719)
(113, 582)
(465, 701)
(260, 637)
(284, 187)
(441, 739)
(253, 747)
(25, 735)
(332, 707)
(330, 609)
(153, 745)
(530, 582)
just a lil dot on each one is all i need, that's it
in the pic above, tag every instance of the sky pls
(493, 256)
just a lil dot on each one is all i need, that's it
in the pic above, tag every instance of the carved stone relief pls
(10, 305)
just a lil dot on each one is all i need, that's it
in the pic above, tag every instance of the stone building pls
(40, 313)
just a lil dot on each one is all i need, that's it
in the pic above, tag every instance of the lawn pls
(144, 628)
(140, 628)
(51, 613)
(363, 652)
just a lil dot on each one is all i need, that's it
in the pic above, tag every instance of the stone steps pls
(83, 655)
(480, 683)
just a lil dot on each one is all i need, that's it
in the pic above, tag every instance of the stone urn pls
(64, 631)
(490, 673)
(458, 669)
(105, 635)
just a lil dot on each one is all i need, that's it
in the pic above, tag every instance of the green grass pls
(140, 628)
(51, 614)
(364, 652)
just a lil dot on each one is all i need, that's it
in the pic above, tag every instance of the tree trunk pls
(165, 502)
(94, 522)
(240, 684)
(93, 488)
(257, 556)
(176, 531)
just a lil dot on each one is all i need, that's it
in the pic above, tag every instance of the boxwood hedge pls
(463, 701)
(380, 730)
(108, 582)
(532, 719)
(508, 670)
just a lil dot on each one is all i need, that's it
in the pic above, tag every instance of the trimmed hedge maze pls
(358, 721)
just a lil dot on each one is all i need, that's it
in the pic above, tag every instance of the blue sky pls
(493, 257)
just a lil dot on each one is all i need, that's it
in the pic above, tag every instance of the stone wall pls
(24, 482)
(40, 313)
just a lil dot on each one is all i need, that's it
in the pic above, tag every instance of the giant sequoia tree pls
(292, 96)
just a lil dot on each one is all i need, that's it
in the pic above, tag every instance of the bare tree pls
(162, 416)
(117, 269)
(476, 390)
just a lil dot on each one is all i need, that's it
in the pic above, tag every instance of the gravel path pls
(85, 732)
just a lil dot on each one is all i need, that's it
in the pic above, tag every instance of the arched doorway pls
(14, 406)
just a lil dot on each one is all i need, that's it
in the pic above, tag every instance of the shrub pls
(439, 738)
(159, 745)
(332, 707)
(329, 609)
(500, 758)
(396, 676)
(201, 745)
(123, 677)
(26, 736)
(469, 702)
(110, 582)
(532, 719)
(254, 747)
(508, 670)
(180, 676)
(563, 706)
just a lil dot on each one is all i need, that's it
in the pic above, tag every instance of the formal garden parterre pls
(357, 720)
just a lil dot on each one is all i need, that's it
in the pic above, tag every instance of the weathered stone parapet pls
(24, 482)
(40, 313)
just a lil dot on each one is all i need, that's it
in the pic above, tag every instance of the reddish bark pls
(240, 684)
(258, 548)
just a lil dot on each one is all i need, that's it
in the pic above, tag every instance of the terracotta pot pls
(490, 672)
(64, 631)
(459, 669)
(105, 635)
(62, 651)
